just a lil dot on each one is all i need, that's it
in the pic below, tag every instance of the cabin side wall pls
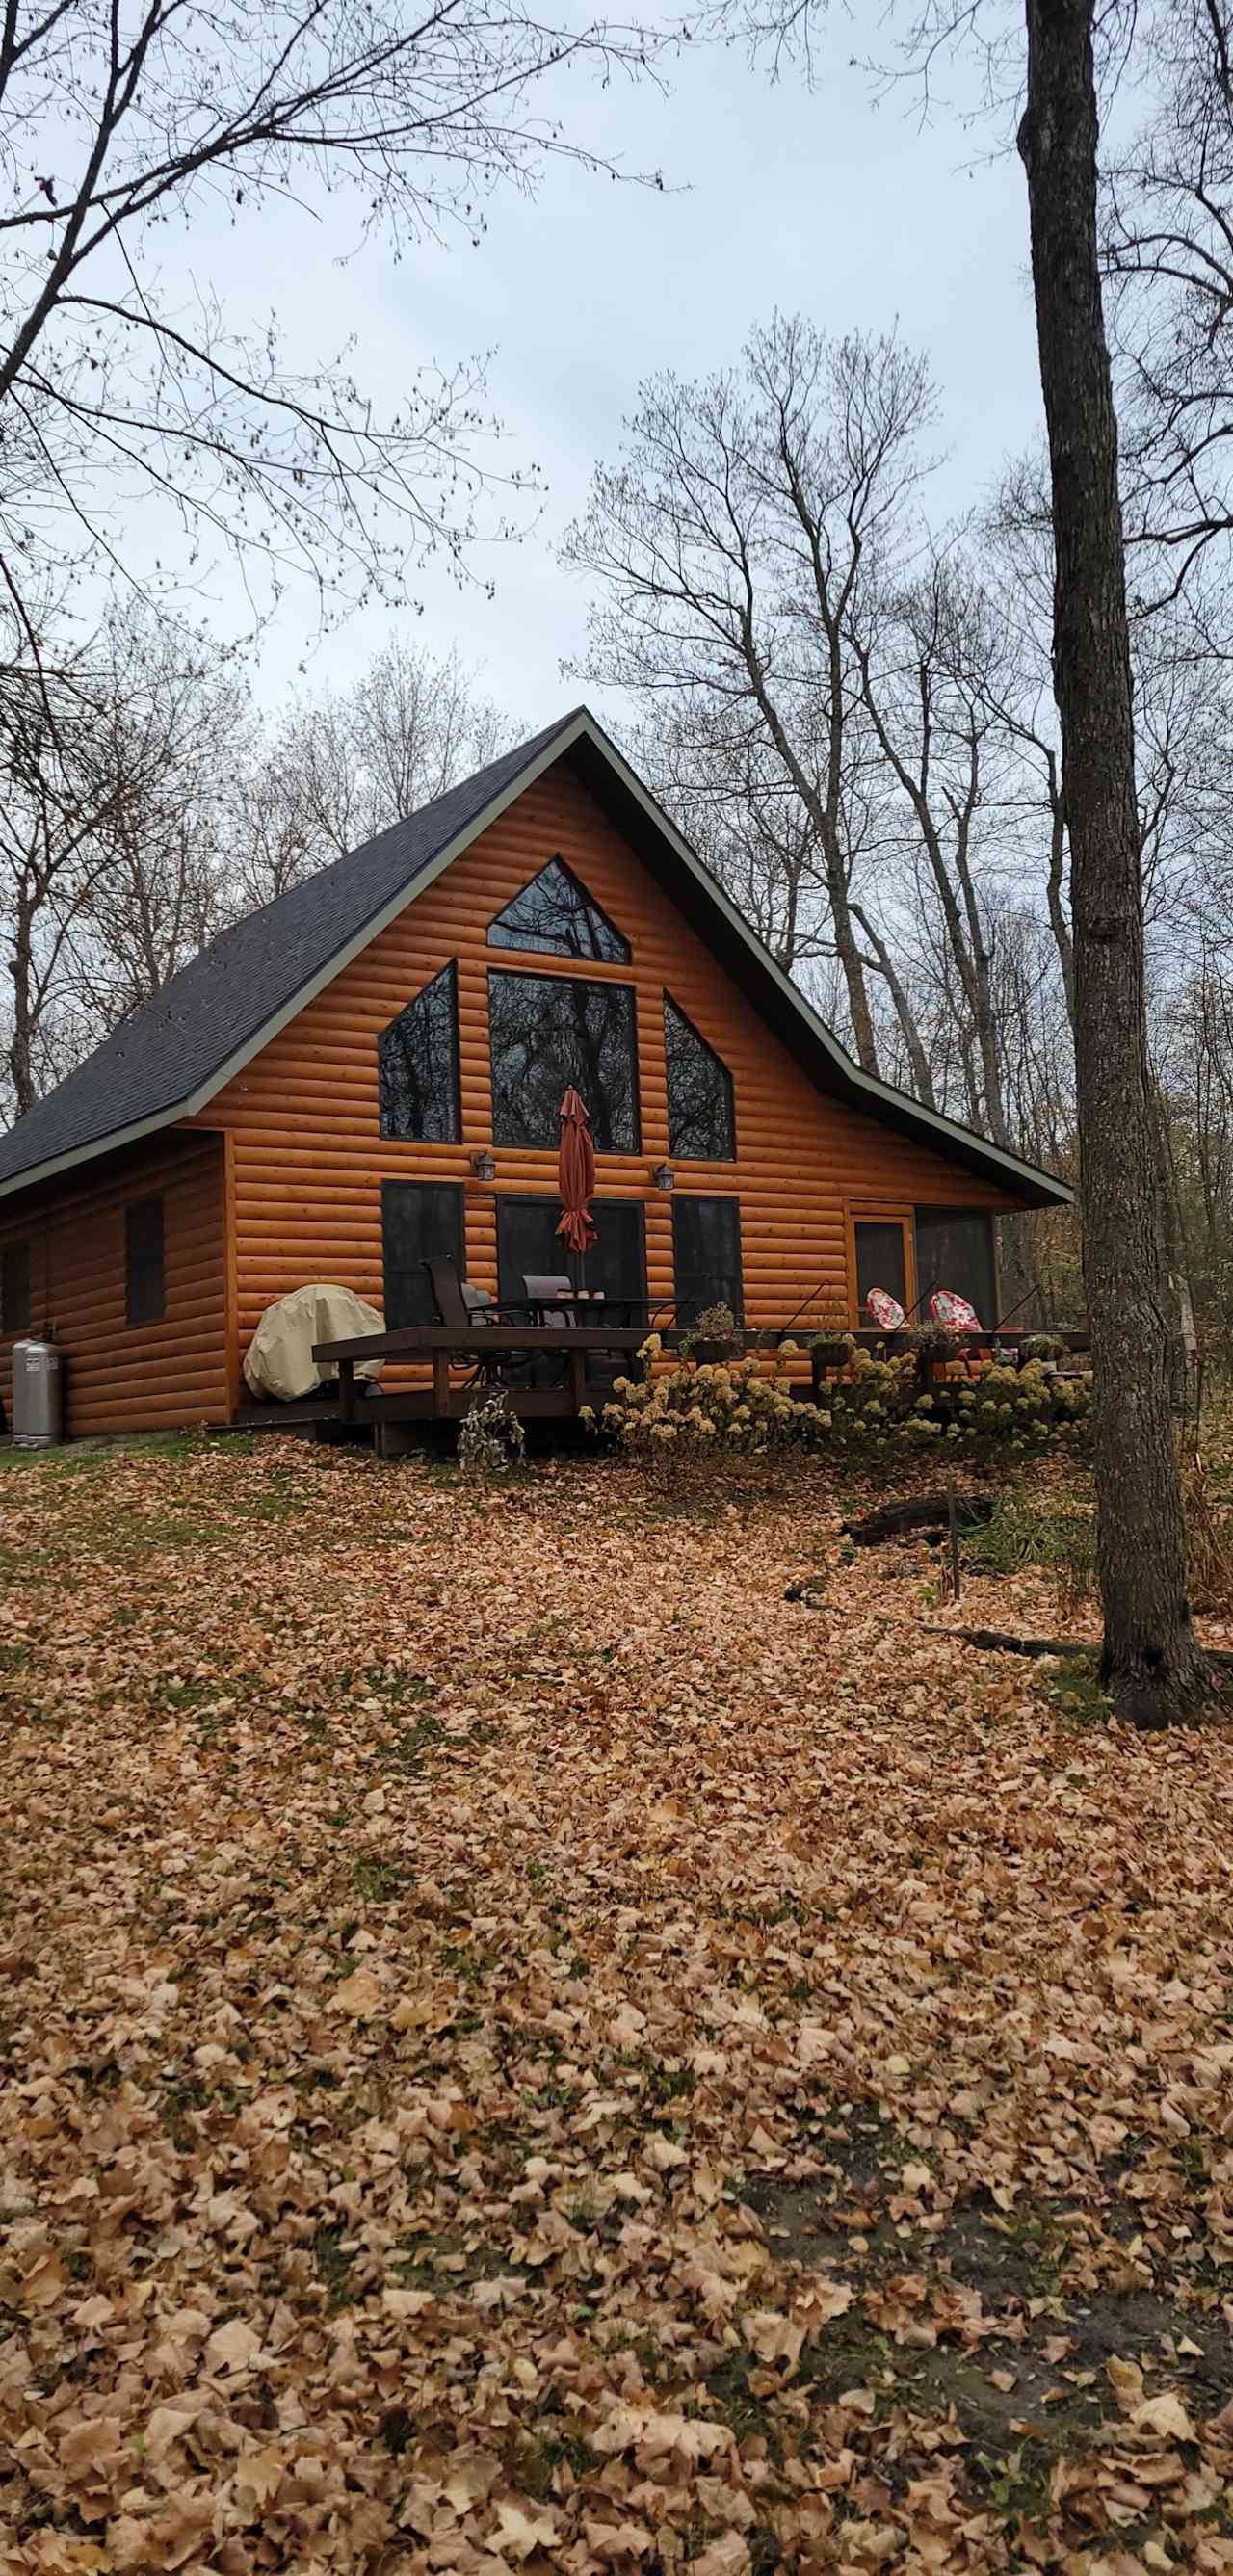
(120, 1376)
(303, 1129)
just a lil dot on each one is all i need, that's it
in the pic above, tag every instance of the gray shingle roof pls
(174, 1055)
(220, 1001)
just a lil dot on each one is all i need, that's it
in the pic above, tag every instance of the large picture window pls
(546, 1031)
(528, 1242)
(706, 1255)
(556, 915)
(701, 1123)
(417, 1066)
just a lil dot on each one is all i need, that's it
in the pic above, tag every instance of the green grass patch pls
(1022, 1534)
(1073, 1691)
(335, 2267)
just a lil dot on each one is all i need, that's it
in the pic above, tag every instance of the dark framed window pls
(15, 1288)
(417, 1066)
(528, 1242)
(954, 1249)
(881, 1261)
(420, 1221)
(706, 1254)
(701, 1116)
(547, 1031)
(145, 1275)
(556, 915)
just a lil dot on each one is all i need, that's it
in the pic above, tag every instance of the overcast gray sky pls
(822, 202)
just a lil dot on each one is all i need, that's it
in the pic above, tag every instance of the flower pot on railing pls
(832, 1350)
(713, 1337)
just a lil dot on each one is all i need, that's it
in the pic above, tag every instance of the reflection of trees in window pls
(555, 914)
(546, 1031)
(701, 1124)
(417, 1065)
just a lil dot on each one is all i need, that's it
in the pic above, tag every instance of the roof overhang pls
(710, 911)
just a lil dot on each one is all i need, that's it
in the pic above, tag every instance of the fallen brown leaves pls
(526, 2050)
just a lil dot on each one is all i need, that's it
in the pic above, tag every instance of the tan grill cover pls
(279, 1363)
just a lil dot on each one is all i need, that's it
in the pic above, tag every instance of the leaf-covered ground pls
(524, 2049)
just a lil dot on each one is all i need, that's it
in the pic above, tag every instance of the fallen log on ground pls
(932, 1511)
(995, 1641)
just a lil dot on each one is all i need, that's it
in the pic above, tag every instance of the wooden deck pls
(466, 1365)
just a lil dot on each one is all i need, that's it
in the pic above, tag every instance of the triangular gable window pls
(555, 915)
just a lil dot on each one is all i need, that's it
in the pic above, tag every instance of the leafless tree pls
(342, 764)
(719, 773)
(171, 721)
(157, 808)
(1167, 244)
(731, 543)
(52, 801)
(1196, 1070)
(1150, 1655)
(112, 838)
(114, 128)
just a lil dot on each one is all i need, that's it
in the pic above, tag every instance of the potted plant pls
(1048, 1348)
(832, 1349)
(832, 1345)
(933, 1342)
(712, 1337)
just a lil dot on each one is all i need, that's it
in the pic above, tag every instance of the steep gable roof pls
(171, 1059)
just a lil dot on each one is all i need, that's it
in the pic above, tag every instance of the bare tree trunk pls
(21, 969)
(1057, 909)
(922, 1071)
(1151, 1658)
(848, 952)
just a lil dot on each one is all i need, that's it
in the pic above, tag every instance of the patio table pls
(438, 1344)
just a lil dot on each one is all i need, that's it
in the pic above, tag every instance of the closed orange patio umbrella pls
(576, 1175)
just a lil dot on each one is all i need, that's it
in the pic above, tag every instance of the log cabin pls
(367, 1072)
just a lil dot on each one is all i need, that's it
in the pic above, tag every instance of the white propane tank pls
(38, 1394)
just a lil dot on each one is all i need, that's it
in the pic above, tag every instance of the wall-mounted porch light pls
(664, 1177)
(484, 1164)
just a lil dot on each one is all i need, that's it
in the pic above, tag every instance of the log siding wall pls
(122, 1377)
(306, 1157)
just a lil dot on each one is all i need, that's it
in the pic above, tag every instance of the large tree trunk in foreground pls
(1151, 1657)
